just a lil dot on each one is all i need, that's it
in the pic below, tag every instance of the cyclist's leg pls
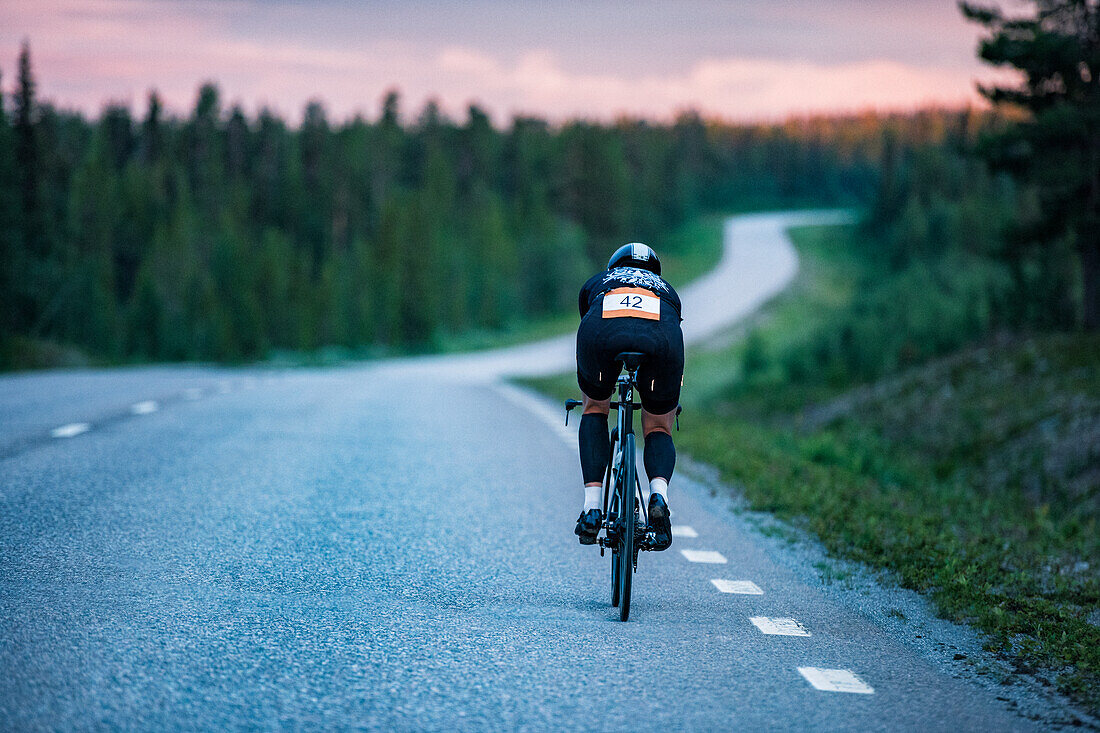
(595, 447)
(659, 455)
(596, 380)
(659, 383)
(659, 388)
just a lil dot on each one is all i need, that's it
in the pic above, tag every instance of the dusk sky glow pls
(740, 59)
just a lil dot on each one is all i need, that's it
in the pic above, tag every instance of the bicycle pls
(625, 526)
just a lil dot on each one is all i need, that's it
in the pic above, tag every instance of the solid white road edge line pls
(779, 626)
(835, 680)
(744, 587)
(704, 556)
(144, 408)
(71, 430)
(683, 530)
(554, 419)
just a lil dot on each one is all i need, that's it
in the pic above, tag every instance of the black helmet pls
(638, 255)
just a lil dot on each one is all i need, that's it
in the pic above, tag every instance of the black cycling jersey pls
(626, 277)
(610, 326)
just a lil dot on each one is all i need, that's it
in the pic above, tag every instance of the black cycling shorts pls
(661, 375)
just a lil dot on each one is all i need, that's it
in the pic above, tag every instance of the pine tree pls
(152, 131)
(315, 213)
(29, 173)
(387, 150)
(596, 185)
(390, 259)
(1056, 45)
(204, 158)
(98, 248)
(11, 246)
(27, 154)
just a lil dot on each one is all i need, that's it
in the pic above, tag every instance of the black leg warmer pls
(659, 456)
(595, 447)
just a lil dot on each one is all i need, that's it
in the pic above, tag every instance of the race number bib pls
(631, 303)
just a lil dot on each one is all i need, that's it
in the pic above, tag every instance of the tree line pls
(219, 235)
(222, 236)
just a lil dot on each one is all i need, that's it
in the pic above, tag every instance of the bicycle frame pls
(626, 406)
(625, 528)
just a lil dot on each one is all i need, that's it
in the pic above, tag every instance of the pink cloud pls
(87, 52)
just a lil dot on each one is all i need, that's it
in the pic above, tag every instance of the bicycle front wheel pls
(615, 578)
(625, 491)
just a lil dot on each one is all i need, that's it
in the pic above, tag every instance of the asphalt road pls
(390, 546)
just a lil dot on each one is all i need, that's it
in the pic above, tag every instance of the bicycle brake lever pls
(569, 405)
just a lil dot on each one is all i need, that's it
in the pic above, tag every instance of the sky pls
(742, 60)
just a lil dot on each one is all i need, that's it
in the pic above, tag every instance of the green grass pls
(974, 478)
(825, 283)
(18, 353)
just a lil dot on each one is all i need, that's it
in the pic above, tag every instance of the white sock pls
(593, 497)
(659, 486)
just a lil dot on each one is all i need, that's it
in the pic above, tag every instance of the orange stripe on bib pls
(631, 303)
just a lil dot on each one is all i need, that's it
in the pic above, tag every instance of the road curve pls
(757, 262)
(389, 546)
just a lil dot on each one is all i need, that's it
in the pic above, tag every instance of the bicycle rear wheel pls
(625, 491)
(615, 566)
(614, 578)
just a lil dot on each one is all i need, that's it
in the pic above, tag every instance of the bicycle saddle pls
(631, 360)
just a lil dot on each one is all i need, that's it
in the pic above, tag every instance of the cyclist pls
(629, 307)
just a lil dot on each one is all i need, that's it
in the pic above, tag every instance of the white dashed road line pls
(744, 587)
(835, 680)
(144, 408)
(71, 430)
(704, 556)
(779, 626)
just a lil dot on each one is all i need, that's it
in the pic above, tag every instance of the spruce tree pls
(28, 166)
(1055, 45)
(11, 253)
(27, 154)
(152, 131)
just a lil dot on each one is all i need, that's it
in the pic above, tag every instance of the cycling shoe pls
(659, 522)
(588, 526)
